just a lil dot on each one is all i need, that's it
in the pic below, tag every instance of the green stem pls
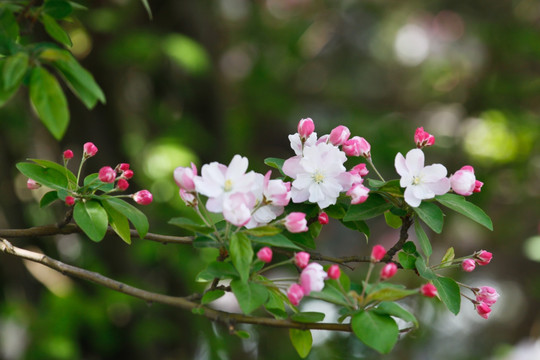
(273, 266)
(371, 265)
(375, 169)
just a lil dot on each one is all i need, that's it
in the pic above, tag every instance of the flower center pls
(416, 180)
(228, 185)
(318, 177)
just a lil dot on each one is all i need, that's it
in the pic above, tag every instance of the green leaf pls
(48, 198)
(448, 257)
(55, 30)
(393, 309)
(409, 247)
(423, 270)
(359, 226)
(275, 163)
(49, 101)
(242, 334)
(302, 341)
(241, 254)
(45, 176)
(5, 95)
(375, 205)
(330, 294)
(377, 331)
(276, 303)
(336, 211)
(212, 295)
(431, 214)
(205, 241)
(250, 295)
(58, 9)
(392, 187)
(137, 218)
(449, 293)
(462, 206)
(406, 260)
(60, 168)
(118, 221)
(217, 269)
(91, 218)
(304, 238)
(373, 183)
(307, 317)
(389, 294)
(14, 69)
(92, 182)
(392, 220)
(190, 225)
(9, 28)
(278, 240)
(267, 230)
(423, 239)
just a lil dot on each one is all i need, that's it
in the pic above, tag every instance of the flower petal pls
(401, 166)
(410, 198)
(433, 173)
(415, 161)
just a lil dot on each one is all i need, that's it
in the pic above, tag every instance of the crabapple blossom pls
(483, 310)
(312, 278)
(388, 271)
(301, 259)
(122, 167)
(334, 272)
(357, 146)
(143, 197)
(295, 294)
(359, 170)
(68, 154)
(377, 253)
(107, 174)
(428, 290)
(188, 197)
(237, 208)
(483, 257)
(70, 200)
(296, 222)
(420, 182)
(265, 254)
(183, 176)
(358, 193)
(31, 184)
(468, 265)
(298, 143)
(122, 184)
(323, 218)
(463, 182)
(305, 128)
(423, 138)
(487, 295)
(277, 192)
(339, 135)
(89, 149)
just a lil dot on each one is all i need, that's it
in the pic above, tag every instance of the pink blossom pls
(237, 208)
(295, 294)
(122, 167)
(188, 197)
(483, 310)
(305, 128)
(468, 265)
(478, 186)
(357, 146)
(388, 271)
(312, 278)
(323, 218)
(68, 154)
(301, 259)
(70, 200)
(183, 176)
(128, 174)
(107, 174)
(334, 272)
(428, 290)
(423, 138)
(265, 254)
(358, 193)
(298, 143)
(377, 253)
(296, 222)
(89, 149)
(276, 191)
(31, 184)
(463, 182)
(122, 184)
(487, 295)
(360, 169)
(339, 135)
(143, 197)
(483, 257)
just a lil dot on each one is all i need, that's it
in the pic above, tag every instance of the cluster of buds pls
(481, 258)
(486, 296)
(120, 174)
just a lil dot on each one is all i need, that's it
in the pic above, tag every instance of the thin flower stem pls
(80, 169)
(345, 295)
(273, 266)
(375, 169)
(371, 265)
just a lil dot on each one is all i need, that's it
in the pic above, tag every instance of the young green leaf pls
(275, 163)
(449, 293)
(45, 176)
(431, 215)
(423, 270)
(375, 205)
(91, 218)
(48, 198)
(462, 206)
(277, 240)
(137, 218)
(9, 28)
(330, 294)
(147, 7)
(60, 168)
(212, 295)
(307, 317)
(250, 295)
(448, 257)
(377, 331)
(241, 254)
(54, 30)
(359, 226)
(217, 269)
(406, 260)
(389, 294)
(267, 230)
(392, 220)
(14, 69)
(49, 101)
(301, 341)
(423, 239)
(393, 309)
(118, 222)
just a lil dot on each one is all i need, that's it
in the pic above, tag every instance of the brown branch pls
(185, 303)
(403, 236)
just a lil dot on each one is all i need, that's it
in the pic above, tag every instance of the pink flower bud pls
(89, 149)
(122, 184)
(388, 271)
(323, 218)
(70, 200)
(468, 265)
(183, 176)
(357, 146)
(377, 253)
(305, 128)
(128, 174)
(122, 167)
(478, 186)
(143, 197)
(68, 154)
(428, 290)
(301, 259)
(483, 257)
(463, 181)
(483, 310)
(339, 135)
(265, 254)
(423, 138)
(296, 222)
(312, 278)
(358, 193)
(487, 295)
(360, 169)
(334, 272)
(32, 184)
(295, 294)
(107, 174)
(188, 197)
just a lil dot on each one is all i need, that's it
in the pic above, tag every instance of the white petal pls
(299, 195)
(415, 161)
(315, 193)
(410, 198)
(422, 191)
(303, 181)
(401, 166)
(292, 167)
(433, 173)
(237, 168)
(440, 187)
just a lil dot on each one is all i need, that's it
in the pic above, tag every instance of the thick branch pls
(181, 302)
(403, 236)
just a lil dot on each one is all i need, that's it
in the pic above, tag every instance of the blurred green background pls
(205, 80)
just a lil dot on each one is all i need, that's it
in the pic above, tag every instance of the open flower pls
(312, 278)
(420, 182)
